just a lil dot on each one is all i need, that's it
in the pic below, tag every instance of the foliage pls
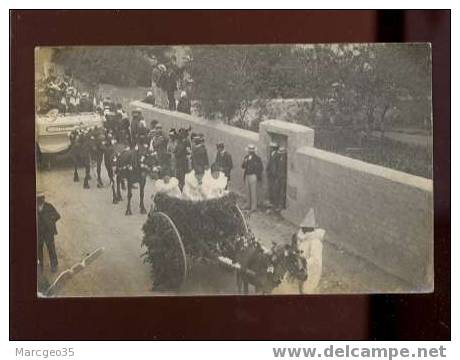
(230, 78)
(121, 66)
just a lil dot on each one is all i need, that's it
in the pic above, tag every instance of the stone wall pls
(379, 214)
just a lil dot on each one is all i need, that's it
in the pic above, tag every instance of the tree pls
(230, 80)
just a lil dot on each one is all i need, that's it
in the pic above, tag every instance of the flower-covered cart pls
(179, 233)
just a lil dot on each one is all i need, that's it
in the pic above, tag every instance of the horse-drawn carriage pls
(179, 233)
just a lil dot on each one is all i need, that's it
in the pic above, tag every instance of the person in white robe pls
(309, 240)
(215, 183)
(167, 185)
(195, 185)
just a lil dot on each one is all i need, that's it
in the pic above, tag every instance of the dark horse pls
(134, 165)
(85, 147)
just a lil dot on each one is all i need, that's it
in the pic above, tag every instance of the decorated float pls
(179, 233)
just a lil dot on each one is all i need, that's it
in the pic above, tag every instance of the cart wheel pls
(170, 265)
(242, 218)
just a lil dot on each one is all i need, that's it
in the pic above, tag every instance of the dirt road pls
(90, 221)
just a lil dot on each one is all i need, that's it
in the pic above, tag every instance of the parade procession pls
(193, 217)
(224, 170)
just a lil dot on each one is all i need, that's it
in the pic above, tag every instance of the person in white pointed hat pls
(309, 240)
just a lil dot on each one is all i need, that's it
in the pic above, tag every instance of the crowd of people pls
(183, 169)
(169, 80)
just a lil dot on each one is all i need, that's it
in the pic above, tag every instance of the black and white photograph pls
(263, 169)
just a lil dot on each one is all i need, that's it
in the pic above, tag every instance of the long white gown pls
(193, 190)
(214, 188)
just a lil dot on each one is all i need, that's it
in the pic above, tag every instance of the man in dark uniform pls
(273, 174)
(181, 152)
(142, 134)
(200, 153)
(282, 179)
(159, 144)
(136, 118)
(224, 160)
(253, 168)
(47, 216)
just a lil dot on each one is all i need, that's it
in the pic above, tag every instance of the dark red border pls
(289, 317)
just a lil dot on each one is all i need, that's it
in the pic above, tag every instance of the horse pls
(85, 147)
(134, 165)
(268, 267)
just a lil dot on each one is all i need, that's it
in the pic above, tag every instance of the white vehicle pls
(53, 129)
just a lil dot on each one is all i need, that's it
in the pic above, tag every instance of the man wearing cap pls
(224, 160)
(253, 168)
(171, 149)
(273, 174)
(309, 241)
(47, 216)
(181, 153)
(200, 153)
(142, 134)
(136, 118)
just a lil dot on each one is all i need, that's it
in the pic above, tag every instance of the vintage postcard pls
(231, 169)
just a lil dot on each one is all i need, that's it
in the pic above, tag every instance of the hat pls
(274, 144)
(309, 221)
(251, 147)
(282, 150)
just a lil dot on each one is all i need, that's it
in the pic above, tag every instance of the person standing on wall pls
(47, 216)
(252, 175)
(224, 161)
(161, 100)
(273, 174)
(155, 79)
(171, 84)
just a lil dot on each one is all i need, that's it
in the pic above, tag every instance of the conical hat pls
(309, 220)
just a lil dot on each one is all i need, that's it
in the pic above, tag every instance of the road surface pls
(90, 221)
